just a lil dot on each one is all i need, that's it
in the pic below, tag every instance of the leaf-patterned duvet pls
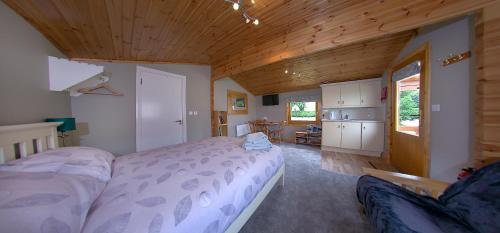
(188, 188)
(51, 192)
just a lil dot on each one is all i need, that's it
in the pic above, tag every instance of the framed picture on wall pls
(237, 103)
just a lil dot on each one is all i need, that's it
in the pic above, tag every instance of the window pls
(303, 112)
(408, 104)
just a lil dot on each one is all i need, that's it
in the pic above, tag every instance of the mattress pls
(194, 187)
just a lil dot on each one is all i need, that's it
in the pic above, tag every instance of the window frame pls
(398, 125)
(302, 123)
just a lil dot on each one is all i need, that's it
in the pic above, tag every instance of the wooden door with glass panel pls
(409, 130)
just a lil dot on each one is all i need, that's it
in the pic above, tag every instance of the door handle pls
(179, 121)
(338, 126)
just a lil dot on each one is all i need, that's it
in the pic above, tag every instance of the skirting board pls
(239, 222)
(349, 151)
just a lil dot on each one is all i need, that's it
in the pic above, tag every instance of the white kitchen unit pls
(332, 134)
(372, 136)
(350, 94)
(353, 136)
(363, 93)
(370, 93)
(331, 96)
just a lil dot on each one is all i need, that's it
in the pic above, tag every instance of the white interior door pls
(351, 135)
(160, 108)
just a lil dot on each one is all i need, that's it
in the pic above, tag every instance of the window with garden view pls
(302, 112)
(408, 101)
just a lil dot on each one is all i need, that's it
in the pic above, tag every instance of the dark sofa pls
(469, 205)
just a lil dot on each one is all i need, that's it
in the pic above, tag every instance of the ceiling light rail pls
(238, 5)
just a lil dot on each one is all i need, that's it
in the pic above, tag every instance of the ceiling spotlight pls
(253, 1)
(236, 6)
(286, 71)
(256, 22)
(293, 73)
(247, 20)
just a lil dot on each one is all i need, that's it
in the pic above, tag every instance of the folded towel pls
(263, 146)
(257, 141)
(256, 137)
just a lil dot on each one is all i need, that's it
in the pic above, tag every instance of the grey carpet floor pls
(312, 201)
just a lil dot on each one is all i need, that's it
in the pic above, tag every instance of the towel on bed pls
(257, 141)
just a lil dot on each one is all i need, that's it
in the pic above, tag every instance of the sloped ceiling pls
(211, 32)
(363, 60)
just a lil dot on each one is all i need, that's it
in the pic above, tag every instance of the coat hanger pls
(106, 86)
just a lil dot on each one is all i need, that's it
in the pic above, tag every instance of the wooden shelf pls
(221, 122)
(308, 138)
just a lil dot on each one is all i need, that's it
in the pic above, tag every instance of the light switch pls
(436, 107)
(190, 113)
(195, 113)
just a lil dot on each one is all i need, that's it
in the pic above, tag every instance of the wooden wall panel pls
(487, 86)
(354, 23)
(211, 32)
(368, 59)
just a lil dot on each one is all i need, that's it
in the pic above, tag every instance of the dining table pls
(265, 126)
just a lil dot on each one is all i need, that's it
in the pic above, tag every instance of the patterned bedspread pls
(188, 188)
(51, 192)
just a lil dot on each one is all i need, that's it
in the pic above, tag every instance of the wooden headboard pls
(18, 141)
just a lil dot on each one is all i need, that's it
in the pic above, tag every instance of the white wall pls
(111, 119)
(24, 73)
(278, 112)
(220, 103)
(451, 134)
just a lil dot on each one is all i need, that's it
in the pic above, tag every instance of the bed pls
(210, 186)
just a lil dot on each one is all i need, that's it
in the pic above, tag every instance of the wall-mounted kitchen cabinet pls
(363, 93)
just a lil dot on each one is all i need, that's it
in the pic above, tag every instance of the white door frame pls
(138, 95)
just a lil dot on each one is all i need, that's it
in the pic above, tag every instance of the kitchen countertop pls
(353, 120)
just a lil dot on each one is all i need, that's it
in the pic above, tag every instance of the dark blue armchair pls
(469, 205)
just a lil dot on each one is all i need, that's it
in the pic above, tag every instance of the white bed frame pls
(239, 222)
(27, 139)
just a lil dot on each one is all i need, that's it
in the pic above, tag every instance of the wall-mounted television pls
(268, 100)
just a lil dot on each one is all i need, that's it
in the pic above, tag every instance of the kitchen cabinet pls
(351, 135)
(364, 93)
(331, 133)
(364, 137)
(372, 136)
(350, 94)
(370, 93)
(331, 96)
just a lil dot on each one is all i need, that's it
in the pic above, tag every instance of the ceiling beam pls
(366, 20)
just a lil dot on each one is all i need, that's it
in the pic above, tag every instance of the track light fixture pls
(237, 5)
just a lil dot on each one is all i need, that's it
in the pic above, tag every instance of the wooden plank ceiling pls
(211, 32)
(364, 60)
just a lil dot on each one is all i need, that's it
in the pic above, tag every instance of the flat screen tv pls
(268, 100)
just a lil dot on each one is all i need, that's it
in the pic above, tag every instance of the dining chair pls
(278, 131)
